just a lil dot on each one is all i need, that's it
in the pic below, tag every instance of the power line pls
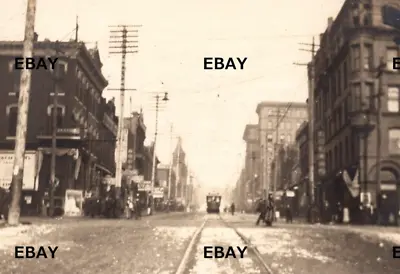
(121, 44)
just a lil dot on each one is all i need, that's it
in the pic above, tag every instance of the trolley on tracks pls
(213, 203)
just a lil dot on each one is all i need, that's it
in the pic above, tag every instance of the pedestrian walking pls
(288, 213)
(262, 209)
(233, 208)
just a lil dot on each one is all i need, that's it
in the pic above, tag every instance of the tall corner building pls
(270, 114)
(346, 109)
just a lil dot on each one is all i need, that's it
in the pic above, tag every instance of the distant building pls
(269, 113)
(164, 178)
(252, 161)
(181, 170)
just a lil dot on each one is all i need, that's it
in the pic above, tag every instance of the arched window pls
(60, 113)
(12, 113)
(394, 141)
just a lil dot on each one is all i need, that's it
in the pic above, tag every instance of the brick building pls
(163, 172)
(268, 115)
(345, 104)
(252, 162)
(300, 183)
(86, 123)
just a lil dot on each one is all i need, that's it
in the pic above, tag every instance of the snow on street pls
(156, 246)
(23, 234)
(315, 249)
(225, 237)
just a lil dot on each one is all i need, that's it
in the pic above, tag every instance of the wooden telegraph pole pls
(311, 142)
(23, 108)
(154, 162)
(121, 36)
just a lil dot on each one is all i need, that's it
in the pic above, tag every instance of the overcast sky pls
(209, 109)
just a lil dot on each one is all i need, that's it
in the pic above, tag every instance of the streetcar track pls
(184, 265)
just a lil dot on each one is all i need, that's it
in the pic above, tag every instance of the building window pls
(390, 54)
(289, 138)
(368, 96)
(269, 125)
(355, 55)
(269, 137)
(393, 99)
(368, 57)
(60, 112)
(394, 141)
(61, 68)
(357, 97)
(12, 112)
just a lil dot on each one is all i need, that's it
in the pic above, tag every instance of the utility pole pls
(23, 108)
(170, 163)
(311, 114)
(76, 29)
(276, 152)
(56, 75)
(123, 32)
(311, 81)
(154, 164)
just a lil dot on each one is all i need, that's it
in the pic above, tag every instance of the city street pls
(157, 244)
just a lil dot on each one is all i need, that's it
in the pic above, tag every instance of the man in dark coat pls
(262, 209)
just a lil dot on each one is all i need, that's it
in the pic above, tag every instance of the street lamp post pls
(153, 172)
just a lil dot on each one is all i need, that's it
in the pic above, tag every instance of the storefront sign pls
(72, 131)
(144, 186)
(6, 170)
(290, 193)
(158, 192)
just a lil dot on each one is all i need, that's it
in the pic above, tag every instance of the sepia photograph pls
(200, 137)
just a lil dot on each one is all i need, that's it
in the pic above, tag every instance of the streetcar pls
(213, 203)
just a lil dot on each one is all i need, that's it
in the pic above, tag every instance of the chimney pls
(321, 36)
(330, 22)
(35, 37)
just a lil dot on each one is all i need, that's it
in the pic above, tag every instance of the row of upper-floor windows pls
(290, 113)
(285, 125)
(338, 82)
(284, 139)
(364, 57)
(363, 99)
(85, 91)
(12, 113)
(346, 151)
